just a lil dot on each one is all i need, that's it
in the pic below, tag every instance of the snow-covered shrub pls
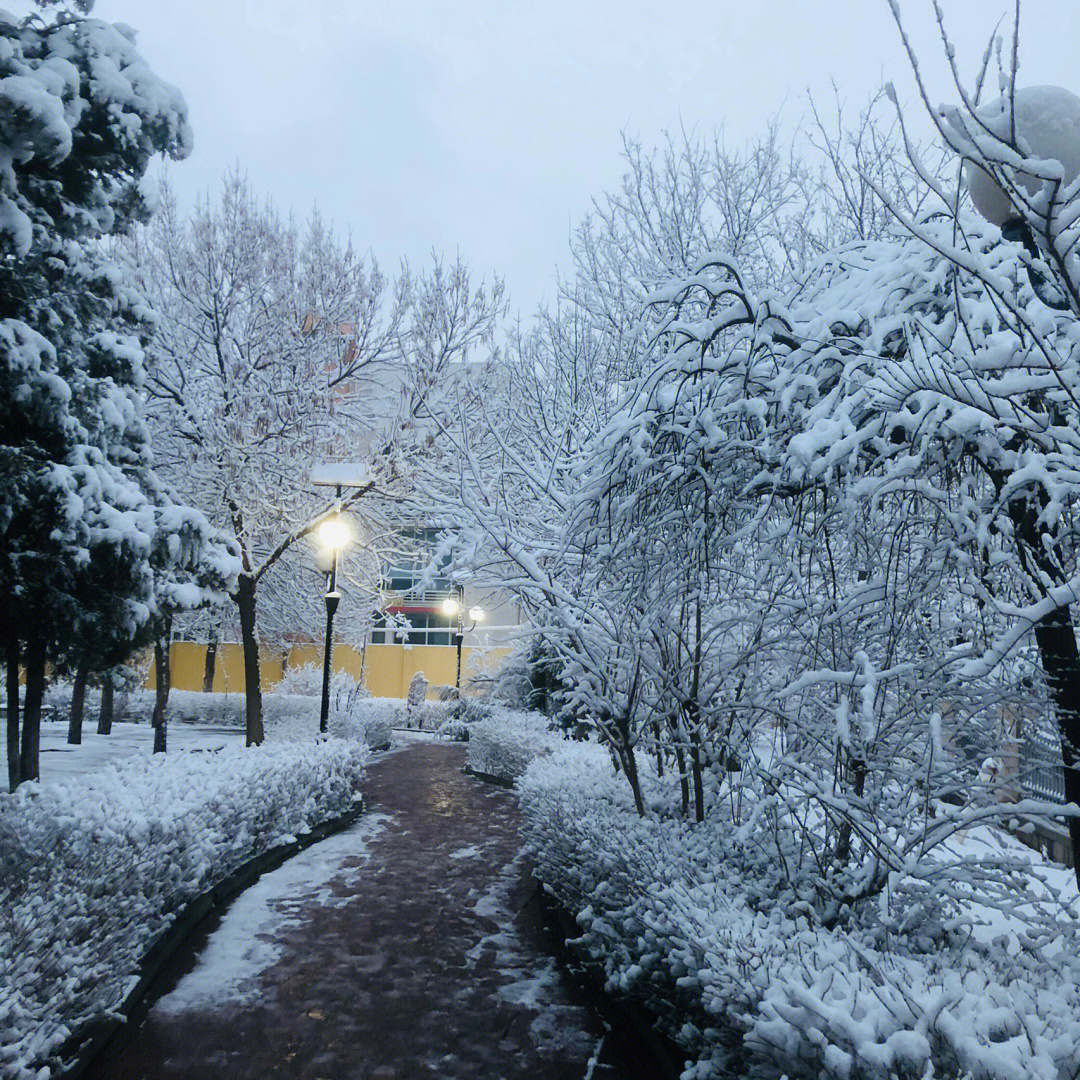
(455, 730)
(470, 710)
(94, 867)
(505, 743)
(306, 680)
(682, 916)
(418, 685)
(370, 719)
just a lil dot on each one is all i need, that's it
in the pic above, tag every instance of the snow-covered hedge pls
(226, 710)
(93, 868)
(503, 744)
(354, 713)
(284, 715)
(370, 719)
(762, 991)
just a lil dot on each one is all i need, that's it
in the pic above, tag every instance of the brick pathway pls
(430, 959)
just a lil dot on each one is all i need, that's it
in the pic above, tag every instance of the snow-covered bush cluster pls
(690, 919)
(503, 744)
(370, 719)
(306, 680)
(93, 869)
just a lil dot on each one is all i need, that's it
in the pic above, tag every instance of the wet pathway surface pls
(411, 945)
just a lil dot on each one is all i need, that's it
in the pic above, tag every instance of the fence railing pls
(1041, 774)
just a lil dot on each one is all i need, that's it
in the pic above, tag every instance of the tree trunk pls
(78, 705)
(209, 666)
(30, 751)
(684, 781)
(105, 713)
(12, 660)
(699, 789)
(1056, 638)
(631, 770)
(162, 684)
(245, 602)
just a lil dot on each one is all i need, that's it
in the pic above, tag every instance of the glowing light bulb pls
(334, 534)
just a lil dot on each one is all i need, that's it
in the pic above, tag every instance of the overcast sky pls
(486, 127)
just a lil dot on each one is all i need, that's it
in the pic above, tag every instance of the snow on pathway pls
(248, 938)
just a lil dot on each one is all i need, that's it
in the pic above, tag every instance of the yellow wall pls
(389, 668)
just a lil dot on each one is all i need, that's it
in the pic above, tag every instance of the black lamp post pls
(333, 535)
(1046, 121)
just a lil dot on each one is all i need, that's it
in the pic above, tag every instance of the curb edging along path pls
(103, 1037)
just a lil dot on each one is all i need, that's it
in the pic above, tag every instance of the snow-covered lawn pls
(59, 760)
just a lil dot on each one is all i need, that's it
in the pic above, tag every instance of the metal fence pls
(1041, 773)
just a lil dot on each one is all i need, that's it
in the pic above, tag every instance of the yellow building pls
(385, 670)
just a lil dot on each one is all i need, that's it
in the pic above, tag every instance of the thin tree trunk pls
(78, 705)
(209, 666)
(162, 685)
(12, 660)
(30, 750)
(693, 730)
(684, 782)
(245, 602)
(695, 772)
(105, 713)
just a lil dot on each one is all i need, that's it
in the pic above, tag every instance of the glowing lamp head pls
(476, 614)
(450, 606)
(334, 534)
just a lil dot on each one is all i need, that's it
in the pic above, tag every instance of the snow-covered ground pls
(59, 760)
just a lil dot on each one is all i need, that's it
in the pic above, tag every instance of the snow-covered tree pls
(272, 342)
(195, 567)
(83, 116)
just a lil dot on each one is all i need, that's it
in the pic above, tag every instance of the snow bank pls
(762, 990)
(503, 744)
(94, 867)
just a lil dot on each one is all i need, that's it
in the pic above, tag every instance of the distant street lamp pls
(456, 606)
(334, 535)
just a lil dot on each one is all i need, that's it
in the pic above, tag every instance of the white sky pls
(486, 126)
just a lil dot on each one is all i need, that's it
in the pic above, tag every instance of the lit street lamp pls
(333, 537)
(456, 606)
